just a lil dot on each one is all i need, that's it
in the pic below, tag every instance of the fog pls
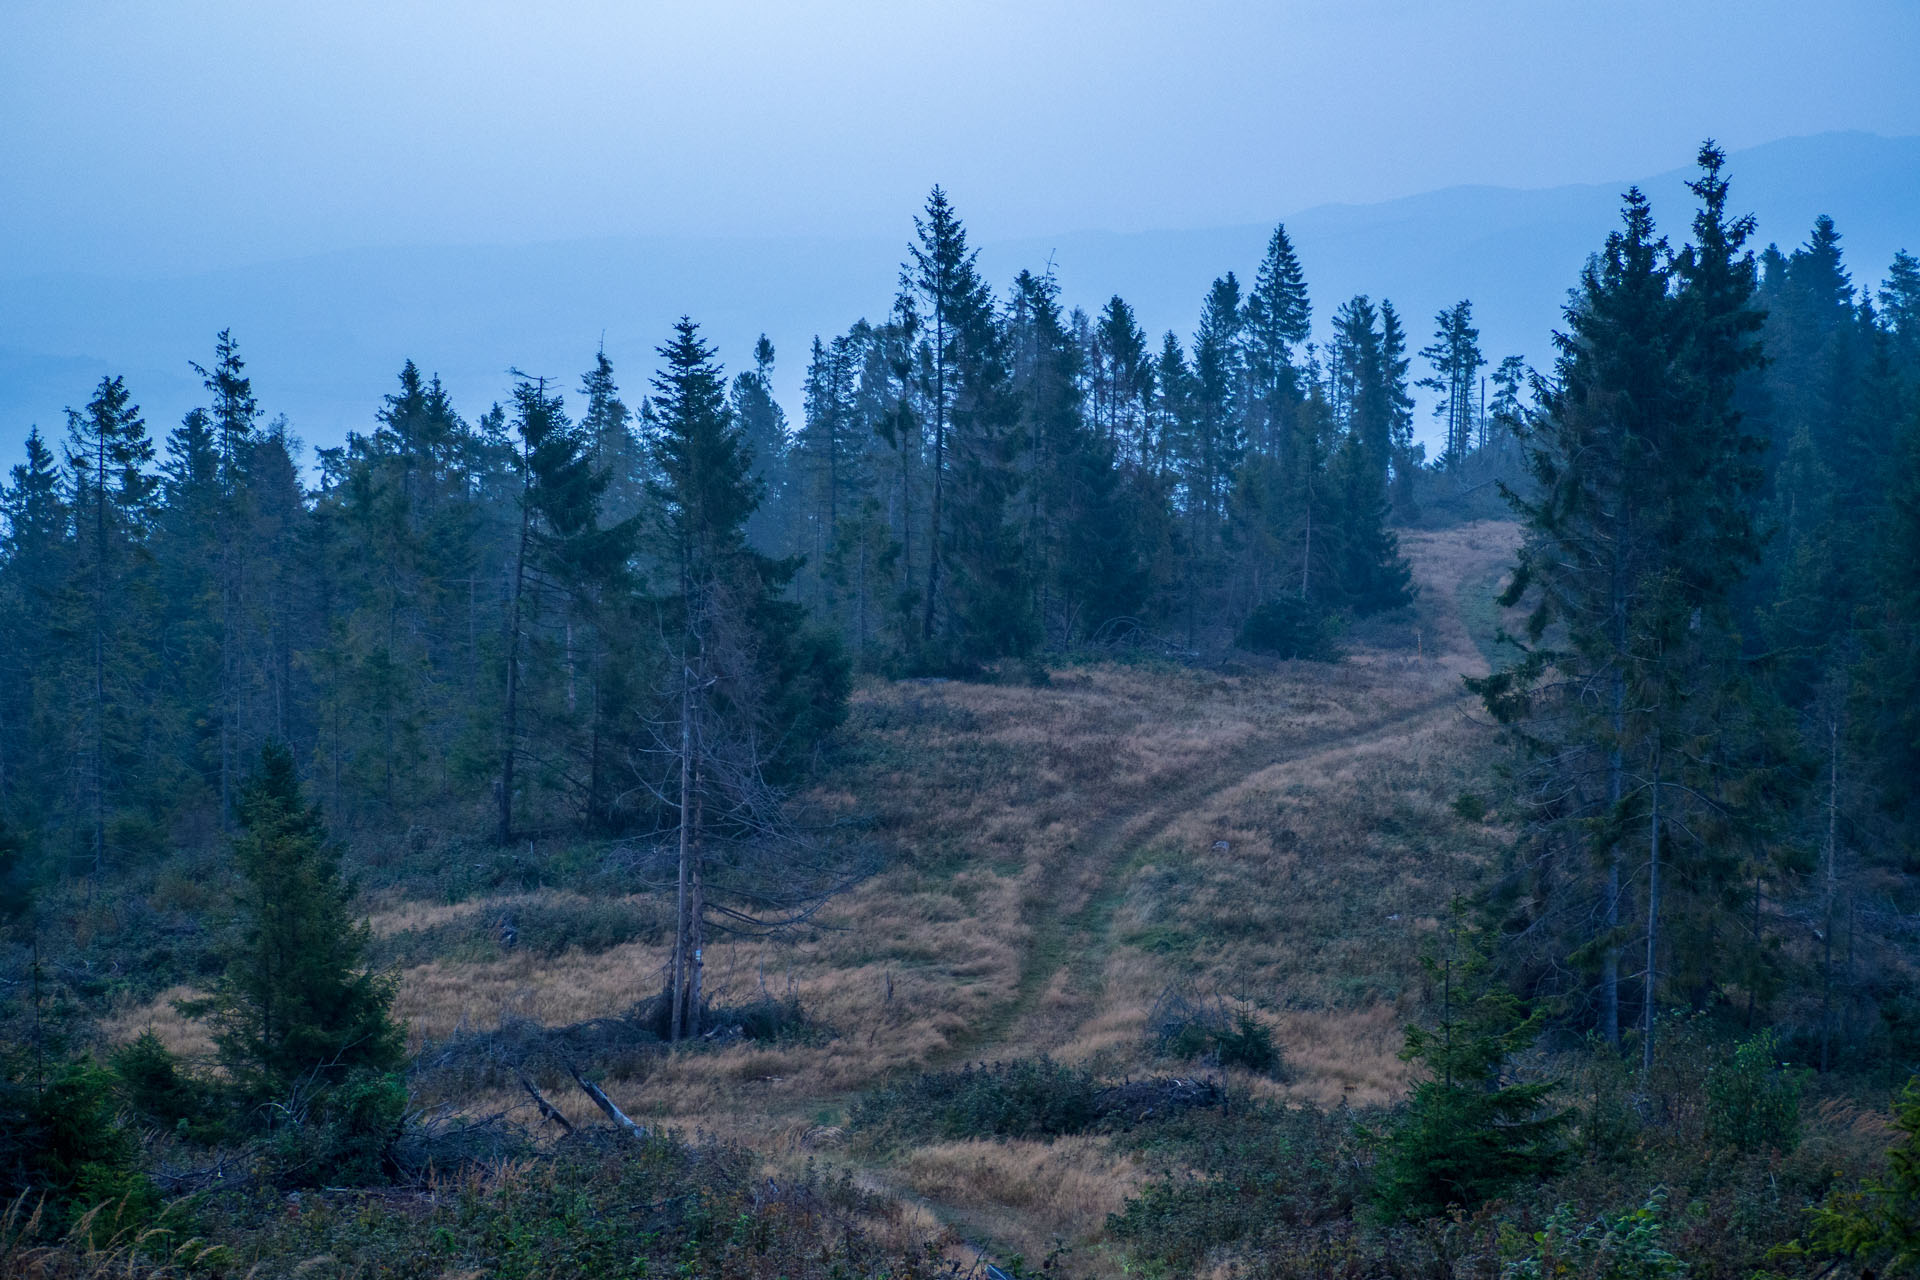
(201, 134)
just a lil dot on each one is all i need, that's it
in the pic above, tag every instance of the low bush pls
(1617, 1246)
(1026, 1098)
(1183, 1028)
(158, 1090)
(543, 926)
(344, 1136)
(1245, 1181)
(1470, 807)
(763, 1018)
(1753, 1102)
(62, 1142)
(1290, 628)
(601, 1204)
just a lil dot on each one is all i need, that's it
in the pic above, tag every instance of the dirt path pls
(1072, 920)
(1072, 913)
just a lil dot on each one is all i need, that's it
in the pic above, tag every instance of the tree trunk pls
(1832, 879)
(680, 931)
(99, 779)
(696, 917)
(511, 725)
(1653, 919)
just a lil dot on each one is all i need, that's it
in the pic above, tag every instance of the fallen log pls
(547, 1110)
(601, 1100)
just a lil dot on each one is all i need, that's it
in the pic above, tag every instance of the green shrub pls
(1877, 1225)
(1290, 628)
(764, 1019)
(598, 1204)
(1753, 1103)
(1026, 1098)
(1471, 807)
(296, 1002)
(1467, 1135)
(156, 1088)
(1183, 1028)
(1624, 1246)
(1245, 1181)
(1249, 1044)
(61, 1138)
(345, 1136)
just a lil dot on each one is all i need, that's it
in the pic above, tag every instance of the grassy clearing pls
(1278, 839)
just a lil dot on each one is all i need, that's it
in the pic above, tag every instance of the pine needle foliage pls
(296, 1002)
(1470, 1132)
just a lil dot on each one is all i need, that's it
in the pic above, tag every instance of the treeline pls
(975, 479)
(503, 615)
(1715, 684)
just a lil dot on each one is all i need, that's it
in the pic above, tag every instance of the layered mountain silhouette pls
(324, 335)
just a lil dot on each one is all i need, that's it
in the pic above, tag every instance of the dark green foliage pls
(61, 1138)
(1469, 1132)
(16, 898)
(1471, 807)
(343, 1135)
(1887, 694)
(160, 1092)
(602, 1205)
(1251, 1182)
(1025, 1098)
(1184, 1028)
(1247, 1044)
(1753, 1102)
(1619, 1246)
(1878, 1225)
(1290, 628)
(1640, 536)
(295, 1010)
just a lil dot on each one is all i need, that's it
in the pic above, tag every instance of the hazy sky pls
(197, 133)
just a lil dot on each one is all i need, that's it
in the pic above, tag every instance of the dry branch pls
(547, 1110)
(601, 1100)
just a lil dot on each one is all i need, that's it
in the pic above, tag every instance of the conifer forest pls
(997, 792)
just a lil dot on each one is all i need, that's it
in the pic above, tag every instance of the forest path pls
(1065, 1003)
(1060, 978)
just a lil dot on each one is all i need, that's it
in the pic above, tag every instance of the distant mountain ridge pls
(324, 335)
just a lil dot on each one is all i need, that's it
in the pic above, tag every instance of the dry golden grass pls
(185, 1036)
(1027, 1196)
(1280, 838)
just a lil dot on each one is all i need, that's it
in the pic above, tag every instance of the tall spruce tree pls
(1278, 319)
(297, 1004)
(1455, 357)
(108, 456)
(751, 688)
(1637, 536)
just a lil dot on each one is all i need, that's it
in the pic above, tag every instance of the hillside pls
(1280, 840)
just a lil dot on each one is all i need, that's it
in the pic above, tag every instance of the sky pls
(152, 139)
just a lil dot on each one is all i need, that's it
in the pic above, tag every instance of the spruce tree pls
(763, 426)
(1469, 1132)
(1455, 357)
(108, 455)
(35, 555)
(1278, 318)
(751, 688)
(1636, 539)
(296, 1005)
(1405, 455)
